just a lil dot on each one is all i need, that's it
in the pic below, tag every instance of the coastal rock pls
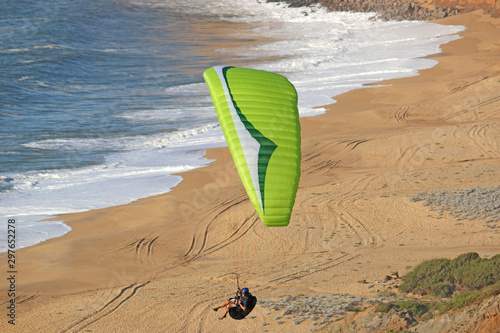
(439, 14)
(484, 4)
(483, 317)
(402, 9)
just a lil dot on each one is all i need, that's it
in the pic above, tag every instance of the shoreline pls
(352, 216)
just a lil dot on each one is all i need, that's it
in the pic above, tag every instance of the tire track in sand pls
(299, 274)
(473, 110)
(110, 307)
(366, 237)
(401, 115)
(485, 137)
(199, 246)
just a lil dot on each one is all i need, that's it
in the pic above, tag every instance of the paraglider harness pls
(238, 297)
(236, 312)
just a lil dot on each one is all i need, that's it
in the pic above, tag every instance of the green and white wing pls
(258, 114)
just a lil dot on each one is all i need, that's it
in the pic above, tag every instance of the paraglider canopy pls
(258, 114)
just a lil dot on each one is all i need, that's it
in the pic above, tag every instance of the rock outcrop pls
(474, 4)
(398, 10)
(483, 317)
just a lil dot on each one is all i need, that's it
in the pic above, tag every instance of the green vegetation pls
(493, 289)
(442, 277)
(417, 309)
(459, 301)
(456, 283)
(353, 309)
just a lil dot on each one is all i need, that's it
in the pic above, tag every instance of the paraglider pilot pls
(239, 306)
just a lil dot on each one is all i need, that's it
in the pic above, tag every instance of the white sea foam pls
(322, 53)
(174, 139)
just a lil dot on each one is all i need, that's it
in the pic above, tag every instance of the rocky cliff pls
(482, 317)
(475, 4)
(404, 9)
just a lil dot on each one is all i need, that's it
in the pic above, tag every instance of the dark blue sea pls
(101, 100)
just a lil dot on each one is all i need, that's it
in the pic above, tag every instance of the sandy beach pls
(162, 263)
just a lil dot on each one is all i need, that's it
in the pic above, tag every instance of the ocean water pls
(101, 101)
